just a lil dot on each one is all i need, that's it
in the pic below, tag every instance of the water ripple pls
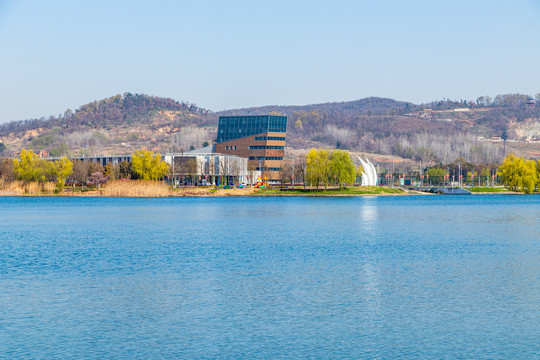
(417, 277)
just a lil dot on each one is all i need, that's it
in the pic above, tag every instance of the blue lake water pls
(372, 277)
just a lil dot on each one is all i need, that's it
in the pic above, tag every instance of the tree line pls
(29, 167)
(515, 173)
(373, 125)
(335, 168)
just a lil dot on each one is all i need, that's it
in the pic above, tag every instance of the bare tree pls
(251, 167)
(285, 174)
(6, 170)
(204, 167)
(235, 169)
(186, 167)
(223, 169)
(300, 169)
(80, 171)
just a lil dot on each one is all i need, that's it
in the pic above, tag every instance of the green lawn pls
(485, 189)
(363, 190)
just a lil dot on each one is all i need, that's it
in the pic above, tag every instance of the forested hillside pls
(114, 111)
(439, 131)
(367, 106)
(114, 125)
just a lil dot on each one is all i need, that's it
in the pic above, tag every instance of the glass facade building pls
(260, 138)
(235, 127)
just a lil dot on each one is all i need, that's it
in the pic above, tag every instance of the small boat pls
(449, 191)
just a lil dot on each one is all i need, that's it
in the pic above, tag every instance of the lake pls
(363, 277)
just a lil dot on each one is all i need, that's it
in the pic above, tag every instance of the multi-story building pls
(259, 138)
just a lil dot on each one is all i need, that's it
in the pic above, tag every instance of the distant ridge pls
(439, 131)
(376, 105)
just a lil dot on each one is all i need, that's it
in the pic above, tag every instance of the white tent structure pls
(369, 175)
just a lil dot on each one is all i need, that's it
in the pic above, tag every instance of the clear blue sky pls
(220, 55)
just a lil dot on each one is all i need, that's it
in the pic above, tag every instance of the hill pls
(119, 124)
(439, 131)
(371, 105)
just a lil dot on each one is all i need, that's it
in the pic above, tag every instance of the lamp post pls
(393, 170)
(173, 178)
(459, 175)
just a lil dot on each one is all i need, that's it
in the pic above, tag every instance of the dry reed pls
(33, 188)
(14, 188)
(135, 188)
(19, 188)
(49, 187)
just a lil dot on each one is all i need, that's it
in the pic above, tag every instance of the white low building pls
(206, 167)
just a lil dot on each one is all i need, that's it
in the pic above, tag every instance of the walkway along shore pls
(121, 188)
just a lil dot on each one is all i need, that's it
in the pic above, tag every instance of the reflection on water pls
(411, 277)
(371, 289)
(368, 215)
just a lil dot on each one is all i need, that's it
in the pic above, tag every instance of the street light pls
(459, 175)
(292, 178)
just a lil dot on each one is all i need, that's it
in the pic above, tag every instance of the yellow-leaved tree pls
(538, 175)
(330, 167)
(30, 168)
(148, 165)
(64, 168)
(26, 168)
(342, 169)
(518, 174)
(317, 167)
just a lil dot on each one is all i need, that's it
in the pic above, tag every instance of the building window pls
(279, 158)
(279, 138)
(260, 147)
(234, 127)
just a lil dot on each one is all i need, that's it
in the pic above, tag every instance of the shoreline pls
(176, 194)
(98, 195)
(147, 188)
